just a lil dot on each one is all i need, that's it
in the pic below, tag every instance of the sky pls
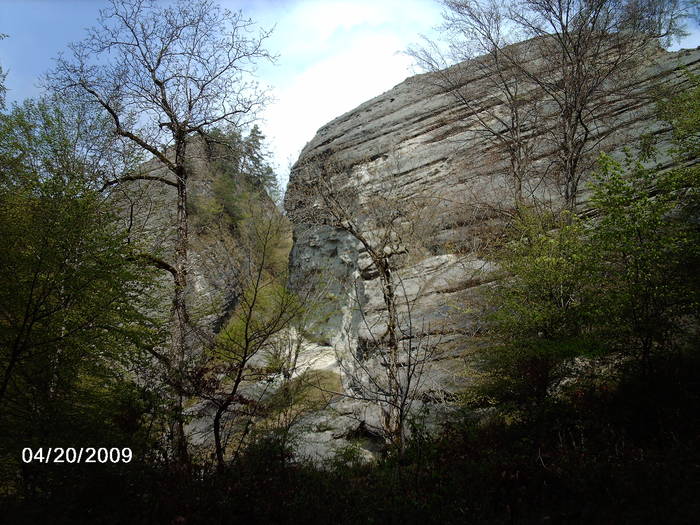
(332, 54)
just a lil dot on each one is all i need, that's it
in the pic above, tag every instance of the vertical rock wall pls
(419, 142)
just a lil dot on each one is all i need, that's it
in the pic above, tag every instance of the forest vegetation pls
(583, 402)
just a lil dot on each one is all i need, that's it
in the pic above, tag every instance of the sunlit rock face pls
(418, 142)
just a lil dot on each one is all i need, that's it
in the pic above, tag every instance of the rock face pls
(149, 210)
(418, 142)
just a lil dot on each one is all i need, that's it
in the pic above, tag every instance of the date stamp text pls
(76, 455)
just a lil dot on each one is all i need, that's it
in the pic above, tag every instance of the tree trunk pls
(392, 420)
(180, 318)
(217, 438)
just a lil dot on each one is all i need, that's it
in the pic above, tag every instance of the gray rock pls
(419, 142)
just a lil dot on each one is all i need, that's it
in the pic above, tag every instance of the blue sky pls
(333, 54)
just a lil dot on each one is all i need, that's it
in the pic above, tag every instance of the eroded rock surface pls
(419, 142)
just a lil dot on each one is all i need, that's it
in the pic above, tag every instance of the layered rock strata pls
(419, 143)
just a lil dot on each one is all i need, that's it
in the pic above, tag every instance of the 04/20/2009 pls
(77, 455)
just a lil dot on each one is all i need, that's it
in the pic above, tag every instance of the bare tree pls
(388, 367)
(235, 374)
(162, 74)
(3, 76)
(507, 111)
(582, 59)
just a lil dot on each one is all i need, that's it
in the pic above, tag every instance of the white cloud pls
(334, 55)
(691, 41)
(330, 88)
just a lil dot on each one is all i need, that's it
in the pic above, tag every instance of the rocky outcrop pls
(418, 142)
(149, 211)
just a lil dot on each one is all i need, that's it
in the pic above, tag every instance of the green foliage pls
(682, 111)
(647, 256)
(541, 317)
(72, 297)
(648, 239)
(622, 283)
(260, 311)
(241, 175)
(265, 305)
(309, 391)
(544, 293)
(256, 164)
